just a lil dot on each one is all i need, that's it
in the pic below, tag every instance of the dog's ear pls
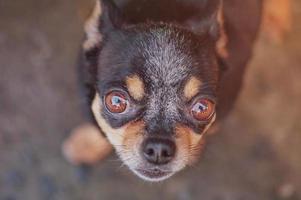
(111, 17)
(207, 21)
(210, 22)
(104, 18)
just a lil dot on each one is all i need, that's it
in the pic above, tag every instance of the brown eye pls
(203, 110)
(116, 102)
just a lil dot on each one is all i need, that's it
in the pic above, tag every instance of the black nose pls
(158, 151)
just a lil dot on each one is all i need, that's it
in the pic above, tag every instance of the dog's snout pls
(158, 151)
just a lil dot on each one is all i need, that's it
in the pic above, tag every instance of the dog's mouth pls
(154, 174)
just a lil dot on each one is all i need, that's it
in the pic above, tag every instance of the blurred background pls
(255, 155)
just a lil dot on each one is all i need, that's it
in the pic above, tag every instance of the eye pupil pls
(202, 107)
(203, 110)
(116, 102)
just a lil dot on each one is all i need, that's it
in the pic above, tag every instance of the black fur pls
(190, 25)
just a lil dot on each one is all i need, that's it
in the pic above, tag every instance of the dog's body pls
(156, 74)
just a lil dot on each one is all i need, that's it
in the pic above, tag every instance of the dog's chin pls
(153, 175)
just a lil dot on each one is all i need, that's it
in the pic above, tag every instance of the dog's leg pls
(277, 19)
(86, 145)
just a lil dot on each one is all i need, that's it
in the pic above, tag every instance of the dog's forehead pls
(167, 68)
(167, 62)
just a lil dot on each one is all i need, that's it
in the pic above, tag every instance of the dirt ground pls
(255, 156)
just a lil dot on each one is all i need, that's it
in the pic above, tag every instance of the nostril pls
(158, 151)
(150, 151)
(168, 150)
(166, 153)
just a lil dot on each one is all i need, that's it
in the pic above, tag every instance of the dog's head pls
(156, 90)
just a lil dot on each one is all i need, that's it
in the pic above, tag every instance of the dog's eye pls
(116, 102)
(203, 109)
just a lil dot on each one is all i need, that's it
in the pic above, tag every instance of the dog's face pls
(156, 96)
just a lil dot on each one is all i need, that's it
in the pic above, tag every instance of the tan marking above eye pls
(135, 87)
(192, 87)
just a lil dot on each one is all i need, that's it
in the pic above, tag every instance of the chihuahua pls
(155, 76)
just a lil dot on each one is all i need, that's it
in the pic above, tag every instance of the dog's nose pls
(158, 151)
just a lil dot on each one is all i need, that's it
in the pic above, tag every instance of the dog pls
(155, 77)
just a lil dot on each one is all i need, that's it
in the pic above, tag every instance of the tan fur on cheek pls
(125, 139)
(91, 29)
(189, 143)
(135, 87)
(115, 136)
(192, 87)
(133, 137)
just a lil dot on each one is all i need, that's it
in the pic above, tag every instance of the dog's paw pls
(86, 145)
(277, 19)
